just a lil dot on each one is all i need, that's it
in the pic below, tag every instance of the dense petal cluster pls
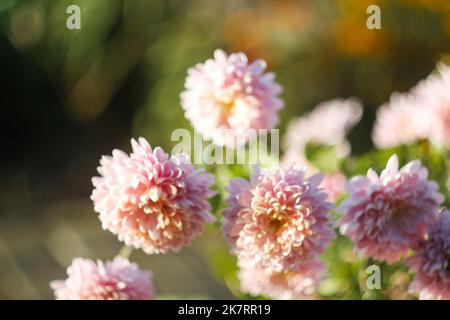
(431, 262)
(299, 284)
(113, 280)
(226, 96)
(277, 220)
(150, 200)
(385, 215)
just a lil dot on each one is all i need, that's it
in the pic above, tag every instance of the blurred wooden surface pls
(36, 249)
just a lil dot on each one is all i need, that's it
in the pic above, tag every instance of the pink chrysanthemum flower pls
(327, 124)
(334, 185)
(114, 280)
(401, 121)
(284, 285)
(277, 220)
(432, 262)
(226, 96)
(150, 200)
(433, 95)
(385, 215)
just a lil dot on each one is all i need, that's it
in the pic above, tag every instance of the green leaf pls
(324, 157)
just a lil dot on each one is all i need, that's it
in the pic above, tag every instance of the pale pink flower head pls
(385, 215)
(113, 280)
(431, 262)
(277, 220)
(327, 124)
(401, 121)
(433, 95)
(298, 158)
(334, 185)
(226, 96)
(283, 285)
(150, 200)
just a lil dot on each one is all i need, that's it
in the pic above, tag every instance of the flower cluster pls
(431, 261)
(226, 96)
(150, 200)
(386, 215)
(277, 223)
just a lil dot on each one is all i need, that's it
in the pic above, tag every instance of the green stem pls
(425, 151)
(125, 251)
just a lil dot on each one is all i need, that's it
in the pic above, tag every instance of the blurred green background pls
(69, 96)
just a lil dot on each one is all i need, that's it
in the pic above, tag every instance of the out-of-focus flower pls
(150, 200)
(334, 185)
(298, 158)
(433, 95)
(114, 280)
(277, 220)
(385, 215)
(401, 121)
(431, 261)
(327, 124)
(226, 96)
(284, 285)
(422, 113)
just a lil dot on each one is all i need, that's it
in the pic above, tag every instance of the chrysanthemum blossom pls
(401, 121)
(327, 124)
(277, 220)
(433, 97)
(385, 215)
(333, 183)
(150, 200)
(431, 262)
(284, 285)
(226, 96)
(113, 280)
